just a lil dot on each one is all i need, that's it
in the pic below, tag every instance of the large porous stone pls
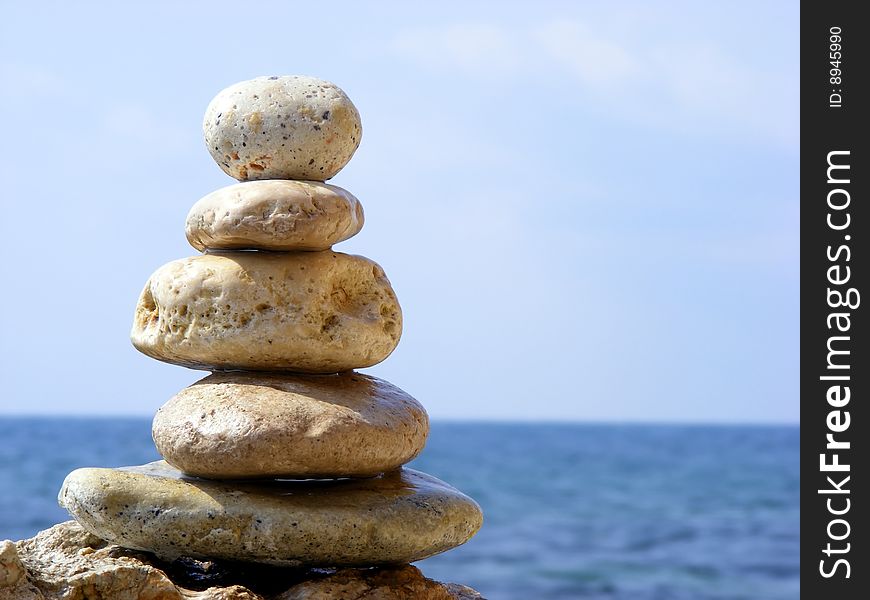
(274, 215)
(244, 425)
(69, 563)
(65, 562)
(289, 127)
(399, 517)
(312, 312)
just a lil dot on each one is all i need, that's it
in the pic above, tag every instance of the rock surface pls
(241, 425)
(67, 563)
(398, 583)
(400, 517)
(310, 312)
(289, 127)
(274, 215)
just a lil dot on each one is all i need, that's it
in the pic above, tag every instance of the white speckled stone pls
(275, 214)
(289, 127)
(240, 425)
(399, 517)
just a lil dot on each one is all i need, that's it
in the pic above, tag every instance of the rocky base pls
(67, 562)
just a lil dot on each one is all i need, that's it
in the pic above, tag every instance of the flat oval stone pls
(245, 425)
(289, 127)
(276, 214)
(400, 517)
(313, 312)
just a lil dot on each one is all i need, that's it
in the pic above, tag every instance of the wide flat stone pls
(274, 214)
(399, 517)
(260, 425)
(309, 312)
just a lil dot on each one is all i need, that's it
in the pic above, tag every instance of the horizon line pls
(470, 420)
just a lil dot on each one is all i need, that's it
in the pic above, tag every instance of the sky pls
(588, 210)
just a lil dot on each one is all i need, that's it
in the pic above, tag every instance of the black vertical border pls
(826, 128)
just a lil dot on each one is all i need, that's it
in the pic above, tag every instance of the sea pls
(571, 511)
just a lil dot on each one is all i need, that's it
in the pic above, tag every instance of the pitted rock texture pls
(242, 425)
(288, 127)
(399, 517)
(274, 215)
(310, 312)
(67, 563)
(13, 574)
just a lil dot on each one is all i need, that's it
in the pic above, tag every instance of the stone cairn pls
(282, 321)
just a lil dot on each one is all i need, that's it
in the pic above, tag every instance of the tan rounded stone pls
(274, 215)
(399, 517)
(242, 425)
(288, 127)
(313, 312)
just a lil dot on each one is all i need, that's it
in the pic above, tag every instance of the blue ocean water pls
(633, 512)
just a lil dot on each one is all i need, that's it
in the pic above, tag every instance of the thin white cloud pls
(595, 60)
(139, 123)
(705, 82)
(475, 48)
(37, 86)
(696, 87)
(30, 81)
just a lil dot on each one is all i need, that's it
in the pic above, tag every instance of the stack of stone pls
(282, 320)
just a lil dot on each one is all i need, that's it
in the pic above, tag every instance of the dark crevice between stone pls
(198, 575)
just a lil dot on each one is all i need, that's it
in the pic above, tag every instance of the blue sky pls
(589, 211)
